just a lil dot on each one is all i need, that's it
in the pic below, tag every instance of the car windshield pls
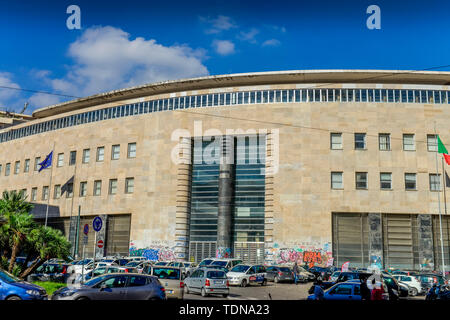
(219, 263)
(132, 264)
(216, 275)
(285, 269)
(336, 274)
(240, 268)
(166, 273)
(205, 262)
(96, 280)
(8, 277)
(161, 264)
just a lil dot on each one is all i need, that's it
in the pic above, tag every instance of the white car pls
(412, 282)
(78, 267)
(186, 267)
(245, 274)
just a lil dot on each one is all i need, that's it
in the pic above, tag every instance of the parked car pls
(50, 272)
(115, 286)
(427, 280)
(172, 280)
(349, 290)
(226, 263)
(281, 273)
(207, 281)
(438, 292)
(161, 263)
(226, 270)
(413, 283)
(325, 273)
(335, 276)
(79, 265)
(244, 274)
(307, 274)
(186, 267)
(205, 262)
(136, 258)
(13, 288)
(121, 261)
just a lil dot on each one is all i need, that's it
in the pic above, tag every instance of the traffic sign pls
(100, 244)
(86, 229)
(85, 240)
(97, 224)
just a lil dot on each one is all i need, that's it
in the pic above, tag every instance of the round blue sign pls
(86, 229)
(97, 224)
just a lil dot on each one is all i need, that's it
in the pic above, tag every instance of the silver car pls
(207, 281)
(115, 286)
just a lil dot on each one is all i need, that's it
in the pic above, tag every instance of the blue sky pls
(125, 43)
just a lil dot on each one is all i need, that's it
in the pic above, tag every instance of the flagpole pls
(444, 184)
(50, 185)
(439, 203)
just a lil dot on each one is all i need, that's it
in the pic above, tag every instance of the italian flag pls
(443, 150)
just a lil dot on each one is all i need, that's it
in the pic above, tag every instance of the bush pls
(50, 287)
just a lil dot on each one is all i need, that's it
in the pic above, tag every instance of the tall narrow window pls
(432, 143)
(45, 193)
(73, 158)
(100, 154)
(97, 187)
(33, 194)
(17, 167)
(26, 167)
(57, 191)
(115, 152)
(60, 161)
(336, 141)
(7, 169)
(384, 140)
(132, 150)
(112, 186)
(360, 141)
(435, 182)
(86, 155)
(36, 163)
(386, 180)
(129, 185)
(408, 142)
(83, 189)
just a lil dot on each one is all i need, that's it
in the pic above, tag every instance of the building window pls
(86, 155)
(336, 141)
(432, 143)
(129, 185)
(73, 158)
(384, 140)
(83, 189)
(113, 186)
(386, 180)
(132, 150)
(17, 167)
(57, 191)
(360, 141)
(45, 193)
(100, 154)
(7, 169)
(97, 187)
(435, 182)
(1, 167)
(115, 152)
(33, 194)
(408, 142)
(36, 163)
(361, 180)
(69, 192)
(336, 180)
(410, 181)
(60, 161)
(26, 166)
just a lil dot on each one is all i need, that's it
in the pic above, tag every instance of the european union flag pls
(47, 162)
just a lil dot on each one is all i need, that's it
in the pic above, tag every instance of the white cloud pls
(223, 47)
(219, 24)
(105, 58)
(271, 43)
(39, 100)
(249, 36)
(7, 95)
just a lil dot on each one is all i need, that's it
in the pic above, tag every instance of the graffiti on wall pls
(311, 254)
(223, 252)
(154, 253)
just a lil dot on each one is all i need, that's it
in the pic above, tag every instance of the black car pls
(56, 272)
(324, 273)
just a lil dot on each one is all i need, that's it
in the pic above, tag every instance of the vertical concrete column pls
(101, 235)
(375, 240)
(226, 190)
(184, 178)
(425, 239)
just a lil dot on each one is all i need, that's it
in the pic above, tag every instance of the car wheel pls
(244, 283)
(186, 289)
(276, 279)
(81, 299)
(264, 282)
(204, 294)
(225, 295)
(13, 298)
(413, 292)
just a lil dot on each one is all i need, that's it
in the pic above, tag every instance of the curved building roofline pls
(255, 78)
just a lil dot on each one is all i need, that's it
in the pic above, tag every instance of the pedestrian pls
(296, 271)
(377, 291)
(318, 291)
(364, 289)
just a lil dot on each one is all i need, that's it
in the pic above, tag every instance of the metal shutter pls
(398, 241)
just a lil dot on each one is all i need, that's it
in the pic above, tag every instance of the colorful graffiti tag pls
(223, 253)
(154, 254)
(311, 254)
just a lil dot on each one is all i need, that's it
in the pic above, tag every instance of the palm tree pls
(49, 243)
